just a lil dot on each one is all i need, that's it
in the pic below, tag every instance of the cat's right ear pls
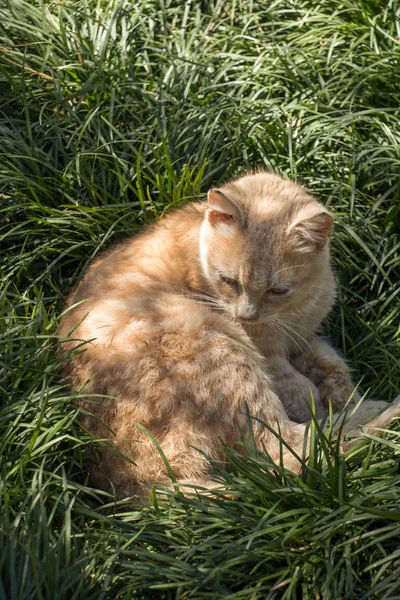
(221, 209)
(311, 228)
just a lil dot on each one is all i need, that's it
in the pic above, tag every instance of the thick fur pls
(215, 308)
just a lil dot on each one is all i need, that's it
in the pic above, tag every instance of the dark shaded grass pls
(112, 112)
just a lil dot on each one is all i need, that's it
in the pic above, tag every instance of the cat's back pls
(155, 253)
(126, 281)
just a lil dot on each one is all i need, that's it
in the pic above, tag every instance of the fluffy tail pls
(368, 417)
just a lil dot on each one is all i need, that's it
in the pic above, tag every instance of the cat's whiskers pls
(270, 319)
(296, 324)
(190, 295)
(287, 325)
(207, 296)
(281, 336)
(200, 292)
(205, 299)
(204, 302)
(287, 333)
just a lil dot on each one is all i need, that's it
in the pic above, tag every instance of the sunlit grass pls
(110, 113)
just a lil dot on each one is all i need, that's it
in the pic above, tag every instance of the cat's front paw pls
(298, 396)
(336, 387)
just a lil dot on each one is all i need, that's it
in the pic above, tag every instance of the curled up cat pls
(212, 310)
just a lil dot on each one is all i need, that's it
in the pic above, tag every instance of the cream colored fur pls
(215, 308)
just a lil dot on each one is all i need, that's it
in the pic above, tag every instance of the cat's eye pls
(279, 291)
(233, 283)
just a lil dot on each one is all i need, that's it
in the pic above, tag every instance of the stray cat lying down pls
(214, 307)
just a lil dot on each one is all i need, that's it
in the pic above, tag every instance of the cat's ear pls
(221, 209)
(311, 228)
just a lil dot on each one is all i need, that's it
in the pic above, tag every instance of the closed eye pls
(233, 283)
(279, 291)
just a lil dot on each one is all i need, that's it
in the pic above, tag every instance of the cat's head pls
(264, 248)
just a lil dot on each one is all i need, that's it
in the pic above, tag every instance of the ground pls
(110, 113)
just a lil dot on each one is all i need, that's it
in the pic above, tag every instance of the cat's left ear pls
(311, 228)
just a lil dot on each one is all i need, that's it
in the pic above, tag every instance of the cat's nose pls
(247, 312)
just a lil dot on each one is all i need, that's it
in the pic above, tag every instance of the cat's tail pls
(368, 418)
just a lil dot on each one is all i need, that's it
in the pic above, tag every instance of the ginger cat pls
(214, 307)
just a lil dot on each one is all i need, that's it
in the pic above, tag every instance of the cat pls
(212, 310)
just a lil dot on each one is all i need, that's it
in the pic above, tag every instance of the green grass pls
(109, 113)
